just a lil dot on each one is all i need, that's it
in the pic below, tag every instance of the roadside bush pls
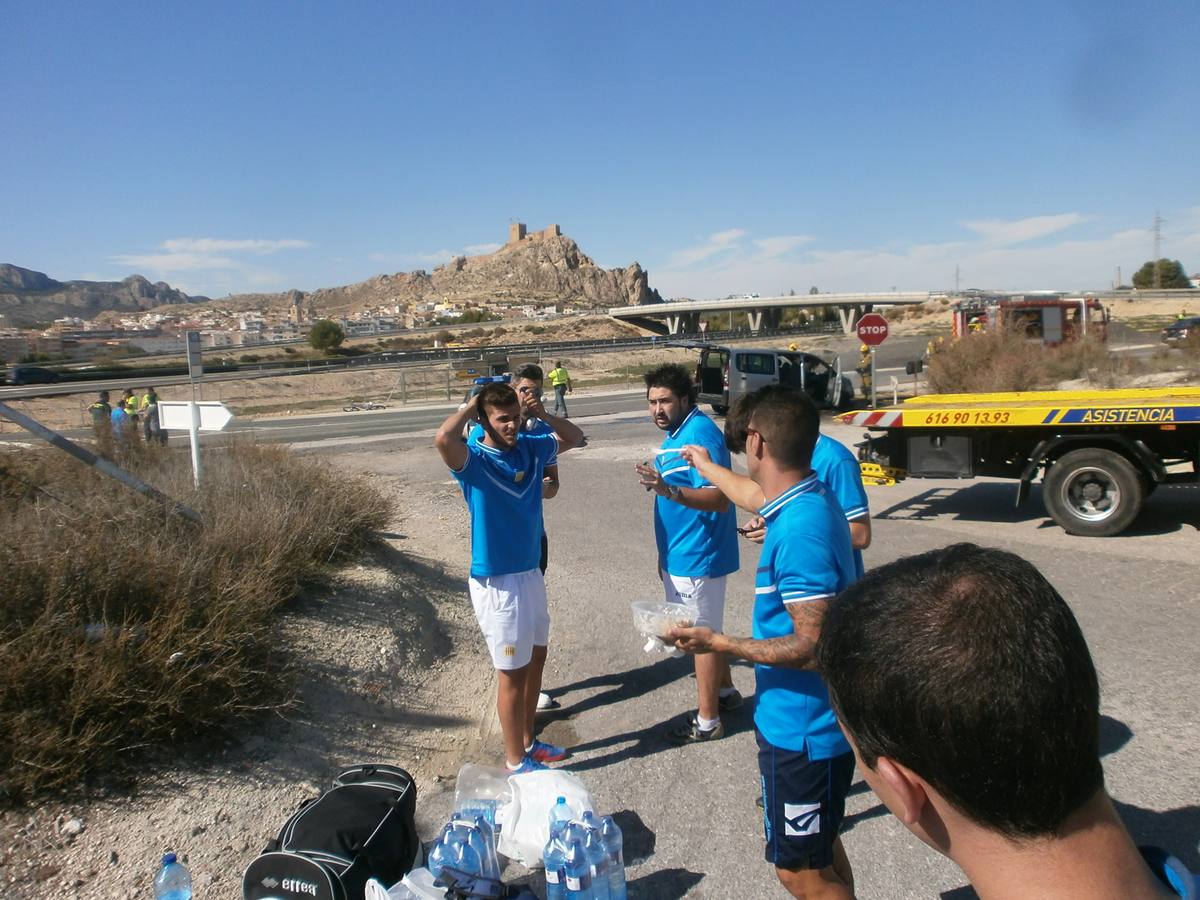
(125, 628)
(991, 361)
(1006, 360)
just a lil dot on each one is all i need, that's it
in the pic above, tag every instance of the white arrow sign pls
(177, 416)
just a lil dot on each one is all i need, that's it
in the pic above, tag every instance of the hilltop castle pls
(517, 234)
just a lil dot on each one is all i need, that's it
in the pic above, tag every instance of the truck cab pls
(723, 374)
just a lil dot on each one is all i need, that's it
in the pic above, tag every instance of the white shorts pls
(513, 616)
(705, 595)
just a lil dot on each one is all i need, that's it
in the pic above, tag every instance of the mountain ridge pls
(548, 270)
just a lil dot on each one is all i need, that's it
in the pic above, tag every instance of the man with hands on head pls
(502, 478)
(528, 383)
(835, 467)
(694, 528)
(804, 761)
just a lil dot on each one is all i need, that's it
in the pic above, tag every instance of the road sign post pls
(872, 330)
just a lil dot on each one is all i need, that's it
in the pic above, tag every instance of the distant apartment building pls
(14, 346)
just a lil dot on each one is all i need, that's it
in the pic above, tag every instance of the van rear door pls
(834, 395)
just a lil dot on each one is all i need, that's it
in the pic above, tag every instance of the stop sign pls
(872, 329)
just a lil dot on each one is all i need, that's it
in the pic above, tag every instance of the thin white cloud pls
(718, 243)
(175, 262)
(219, 245)
(1000, 232)
(1000, 255)
(773, 247)
(213, 265)
(434, 258)
(481, 249)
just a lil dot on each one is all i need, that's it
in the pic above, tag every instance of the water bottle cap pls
(562, 799)
(168, 859)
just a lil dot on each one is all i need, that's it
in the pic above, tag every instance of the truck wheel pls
(719, 410)
(1093, 492)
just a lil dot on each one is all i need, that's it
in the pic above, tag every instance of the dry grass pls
(125, 628)
(1007, 361)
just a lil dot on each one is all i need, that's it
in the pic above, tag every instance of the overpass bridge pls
(684, 316)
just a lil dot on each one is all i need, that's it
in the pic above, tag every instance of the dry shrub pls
(125, 627)
(990, 361)
(1005, 360)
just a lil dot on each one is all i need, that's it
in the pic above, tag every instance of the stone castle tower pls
(517, 233)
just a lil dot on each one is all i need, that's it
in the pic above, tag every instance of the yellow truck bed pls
(1134, 406)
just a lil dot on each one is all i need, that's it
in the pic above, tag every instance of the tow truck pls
(1100, 452)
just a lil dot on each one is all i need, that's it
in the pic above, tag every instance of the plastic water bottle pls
(479, 846)
(491, 860)
(173, 881)
(467, 860)
(555, 858)
(560, 812)
(442, 853)
(579, 874)
(614, 843)
(597, 859)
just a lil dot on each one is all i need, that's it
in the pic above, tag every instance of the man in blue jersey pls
(695, 529)
(528, 382)
(833, 464)
(968, 693)
(502, 480)
(804, 761)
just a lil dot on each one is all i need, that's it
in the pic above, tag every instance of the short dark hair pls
(785, 416)
(532, 372)
(104, 395)
(965, 665)
(737, 420)
(674, 378)
(495, 395)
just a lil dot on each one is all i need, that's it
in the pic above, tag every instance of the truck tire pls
(719, 409)
(1093, 492)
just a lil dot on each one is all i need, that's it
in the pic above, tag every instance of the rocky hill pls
(28, 297)
(550, 270)
(547, 270)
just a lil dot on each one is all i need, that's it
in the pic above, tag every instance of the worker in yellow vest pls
(561, 382)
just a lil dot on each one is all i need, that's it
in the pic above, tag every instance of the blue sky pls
(232, 147)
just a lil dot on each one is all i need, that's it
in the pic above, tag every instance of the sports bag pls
(362, 827)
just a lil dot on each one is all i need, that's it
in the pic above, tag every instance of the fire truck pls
(1049, 317)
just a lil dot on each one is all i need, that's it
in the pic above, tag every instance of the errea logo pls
(270, 883)
(296, 886)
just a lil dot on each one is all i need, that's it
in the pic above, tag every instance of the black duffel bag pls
(363, 827)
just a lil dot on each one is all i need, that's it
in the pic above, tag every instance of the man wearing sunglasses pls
(804, 761)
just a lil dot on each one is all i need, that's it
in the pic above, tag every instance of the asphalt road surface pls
(691, 825)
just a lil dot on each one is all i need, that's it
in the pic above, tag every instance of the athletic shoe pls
(545, 702)
(732, 701)
(528, 764)
(690, 732)
(545, 753)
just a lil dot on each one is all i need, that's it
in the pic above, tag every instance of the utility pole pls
(1158, 221)
(956, 279)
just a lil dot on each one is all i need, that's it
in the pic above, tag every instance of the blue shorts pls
(804, 802)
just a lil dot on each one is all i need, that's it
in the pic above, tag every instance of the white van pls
(726, 373)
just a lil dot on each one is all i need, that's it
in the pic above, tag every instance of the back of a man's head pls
(967, 667)
(786, 418)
